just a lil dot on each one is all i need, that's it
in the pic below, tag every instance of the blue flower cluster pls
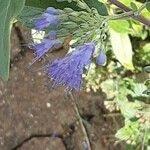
(49, 17)
(68, 70)
(46, 45)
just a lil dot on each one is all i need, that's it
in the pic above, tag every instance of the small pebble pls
(48, 105)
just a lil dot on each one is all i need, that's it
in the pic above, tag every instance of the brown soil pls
(33, 117)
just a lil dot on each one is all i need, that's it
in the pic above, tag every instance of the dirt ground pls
(35, 117)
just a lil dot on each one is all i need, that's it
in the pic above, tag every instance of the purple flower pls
(46, 45)
(52, 10)
(49, 17)
(101, 58)
(52, 34)
(68, 70)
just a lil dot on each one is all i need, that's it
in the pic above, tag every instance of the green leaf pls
(148, 6)
(121, 26)
(139, 89)
(147, 69)
(131, 108)
(101, 8)
(53, 3)
(133, 6)
(129, 131)
(27, 14)
(123, 48)
(61, 5)
(9, 10)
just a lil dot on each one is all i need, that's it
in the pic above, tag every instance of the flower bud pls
(101, 58)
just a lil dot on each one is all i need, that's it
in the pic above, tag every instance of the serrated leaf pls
(9, 10)
(139, 89)
(122, 48)
(131, 108)
(129, 130)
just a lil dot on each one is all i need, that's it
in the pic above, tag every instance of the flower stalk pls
(134, 15)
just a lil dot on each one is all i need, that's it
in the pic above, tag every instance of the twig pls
(143, 143)
(81, 122)
(112, 115)
(139, 18)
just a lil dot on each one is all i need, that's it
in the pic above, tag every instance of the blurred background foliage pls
(124, 78)
(139, 39)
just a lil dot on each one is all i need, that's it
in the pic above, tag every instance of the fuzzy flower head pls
(46, 45)
(68, 70)
(49, 18)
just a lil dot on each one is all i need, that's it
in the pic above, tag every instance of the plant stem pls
(141, 8)
(139, 18)
(121, 16)
(87, 141)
